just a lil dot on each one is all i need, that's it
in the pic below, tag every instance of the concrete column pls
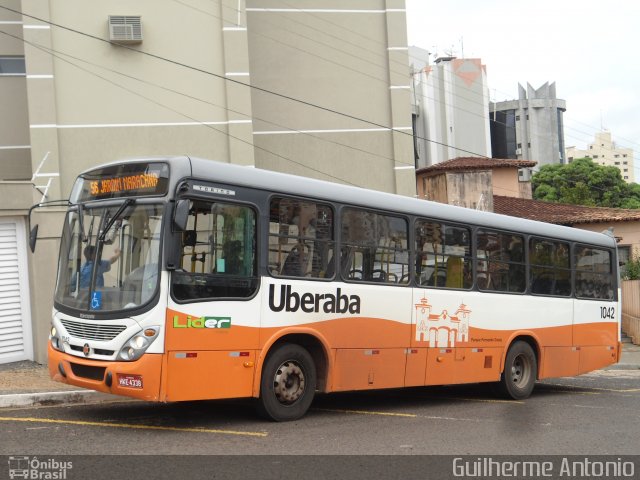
(42, 99)
(400, 99)
(238, 96)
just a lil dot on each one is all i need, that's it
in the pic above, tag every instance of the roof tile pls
(560, 213)
(476, 163)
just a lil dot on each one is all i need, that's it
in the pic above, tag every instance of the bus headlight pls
(55, 339)
(138, 344)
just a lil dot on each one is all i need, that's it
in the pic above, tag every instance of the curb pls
(52, 398)
(623, 366)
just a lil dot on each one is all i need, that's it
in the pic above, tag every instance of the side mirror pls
(181, 215)
(33, 237)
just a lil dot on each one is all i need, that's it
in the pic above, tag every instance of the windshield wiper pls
(83, 238)
(112, 220)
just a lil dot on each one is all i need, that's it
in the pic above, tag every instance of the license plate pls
(130, 381)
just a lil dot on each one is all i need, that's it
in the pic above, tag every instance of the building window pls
(12, 66)
(624, 253)
(624, 163)
(616, 155)
(517, 118)
(590, 147)
(519, 145)
(626, 178)
(595, 156)
(624, 155)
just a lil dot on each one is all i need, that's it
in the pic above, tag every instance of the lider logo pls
(291, 301)
(201, 322)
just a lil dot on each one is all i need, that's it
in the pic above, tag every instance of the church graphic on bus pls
(441, 329)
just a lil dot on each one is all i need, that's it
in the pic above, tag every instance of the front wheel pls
(520, 370)
(288, 383)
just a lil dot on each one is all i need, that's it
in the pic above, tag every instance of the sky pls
(588, 48)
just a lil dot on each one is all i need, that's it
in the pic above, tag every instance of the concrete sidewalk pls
(28, 383)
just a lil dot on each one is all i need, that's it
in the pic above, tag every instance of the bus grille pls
(93, 331)
(88, 371)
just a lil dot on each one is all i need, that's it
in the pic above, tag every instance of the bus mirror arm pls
(181, 215)
(33, 231)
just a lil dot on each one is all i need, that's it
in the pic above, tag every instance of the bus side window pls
(500, 264)
(300, 238)
(375, 246)
(218, 253)
(443, 256)
(550, 269)
(594, 274)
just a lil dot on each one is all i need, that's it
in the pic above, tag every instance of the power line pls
(211, 127)
(276, 93)
(373, 40)
(192, 97)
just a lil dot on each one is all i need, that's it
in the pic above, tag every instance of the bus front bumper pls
(139, 379)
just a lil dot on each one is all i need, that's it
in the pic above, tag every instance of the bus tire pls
(288, 383)
(520, 372)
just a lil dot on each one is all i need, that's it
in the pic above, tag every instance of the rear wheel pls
(288, 383)
(520, 370)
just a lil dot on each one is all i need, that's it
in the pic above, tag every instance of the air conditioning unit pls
(524, 174)
(518, 151)
(125, 29)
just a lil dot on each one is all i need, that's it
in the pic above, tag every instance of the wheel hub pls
(288, 382)
(519, 370)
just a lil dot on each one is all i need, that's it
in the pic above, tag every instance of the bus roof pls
(276, 182)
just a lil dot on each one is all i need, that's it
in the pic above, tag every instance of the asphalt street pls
(594, 414)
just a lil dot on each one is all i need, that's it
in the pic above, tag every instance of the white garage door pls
(15, 318)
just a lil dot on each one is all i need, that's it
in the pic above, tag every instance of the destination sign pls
(123, 180)
(141, 183)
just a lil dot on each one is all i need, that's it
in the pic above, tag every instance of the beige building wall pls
(15, 157)
(340, 107)
(507, 182)
(469, 189)
(199, 84)
(604, 151)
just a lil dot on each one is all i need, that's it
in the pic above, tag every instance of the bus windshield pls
(109, 256)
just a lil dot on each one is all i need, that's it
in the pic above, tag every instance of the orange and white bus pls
(184, 279)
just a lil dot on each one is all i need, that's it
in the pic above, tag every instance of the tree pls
(583, 182)
(631, 270)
